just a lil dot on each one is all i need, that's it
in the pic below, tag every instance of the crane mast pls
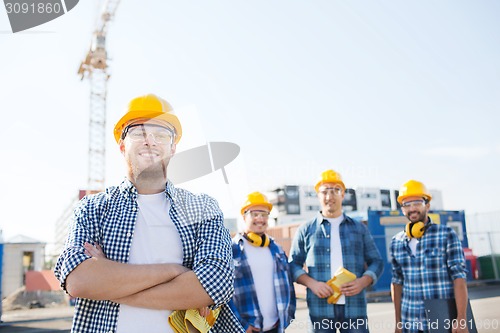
(95, 68)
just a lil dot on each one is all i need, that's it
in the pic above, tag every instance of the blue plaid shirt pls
(311, 246)
(244, 303)
(429, 274)
(108, 218)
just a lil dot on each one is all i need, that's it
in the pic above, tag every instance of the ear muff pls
(257, 240)
(415, 229)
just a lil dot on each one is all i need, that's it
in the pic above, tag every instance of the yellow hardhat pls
(149, 107)
(413, 188)
(256, 199)
(329, 176)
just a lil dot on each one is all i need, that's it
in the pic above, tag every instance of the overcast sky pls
(381, 91)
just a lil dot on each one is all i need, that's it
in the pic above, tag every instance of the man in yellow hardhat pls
(140, 250)
(264, 296)
(427, 263)
(335, 247)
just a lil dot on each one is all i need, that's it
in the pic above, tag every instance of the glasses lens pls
(415, 203)
(258, 213)
(331, 191)
(160, 134)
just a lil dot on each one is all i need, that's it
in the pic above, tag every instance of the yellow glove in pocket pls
(340, 277)
(190, 321)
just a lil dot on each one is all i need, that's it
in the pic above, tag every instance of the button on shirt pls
(428, 274)
(310, 247)
(108, 218)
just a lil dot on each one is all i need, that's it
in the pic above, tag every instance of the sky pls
(381, 91)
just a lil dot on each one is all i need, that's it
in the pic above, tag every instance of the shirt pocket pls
(434, 258)
(354, 242)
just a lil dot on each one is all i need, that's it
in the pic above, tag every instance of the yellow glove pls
(340, 277)
(190, 321)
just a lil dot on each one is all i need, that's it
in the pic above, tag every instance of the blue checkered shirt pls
(429, 274)
(244, 302)
(311, 246)
(108, 218)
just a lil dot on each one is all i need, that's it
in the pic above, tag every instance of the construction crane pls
(95, 68)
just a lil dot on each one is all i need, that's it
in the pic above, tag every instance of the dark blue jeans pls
(340, 323)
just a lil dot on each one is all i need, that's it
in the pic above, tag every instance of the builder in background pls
(264, 296)
(427, 263)
(331, 241)
(167, 249)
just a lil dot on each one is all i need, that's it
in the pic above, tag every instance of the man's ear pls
(172, 149)
(122, 146)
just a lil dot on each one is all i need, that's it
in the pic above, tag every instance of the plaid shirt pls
(244, 302)
(311, 246)
(108, 218)
(429, 274)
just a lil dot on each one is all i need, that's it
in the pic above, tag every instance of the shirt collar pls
(320, 218)
(127, 187)
(170, 190)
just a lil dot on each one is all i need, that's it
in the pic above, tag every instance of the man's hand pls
(320, 289)
(204, 312)
(252, 329)
(94, 251)
(355, 287)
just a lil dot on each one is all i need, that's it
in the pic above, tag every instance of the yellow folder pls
(190, 321)
(340, 277)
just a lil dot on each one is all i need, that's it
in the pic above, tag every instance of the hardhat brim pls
(137, 114)
(427, 197)
(245, 208)
(341, 183)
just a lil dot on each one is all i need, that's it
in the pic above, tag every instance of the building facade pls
(299, 203)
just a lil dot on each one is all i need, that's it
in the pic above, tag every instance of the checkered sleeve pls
(455, 256)
(213, 264)
(397, 272)
(73, 253)
(372, 256)
(298, 254)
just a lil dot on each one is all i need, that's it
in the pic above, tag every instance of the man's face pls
(330, 196)
(256, 218)
(415, 209)
(147, 148)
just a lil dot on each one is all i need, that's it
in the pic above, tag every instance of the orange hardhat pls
(256, 199)
(413, 188)
(149, 107)
(329, 176)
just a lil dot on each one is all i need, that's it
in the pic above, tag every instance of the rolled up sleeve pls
(455, 255)
(73, 253)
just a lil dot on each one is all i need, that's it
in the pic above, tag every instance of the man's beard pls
(152, 173)
(419, 217)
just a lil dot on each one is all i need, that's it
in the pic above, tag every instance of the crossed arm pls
(153, 286)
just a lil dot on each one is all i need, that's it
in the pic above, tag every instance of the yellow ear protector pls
(257, 240)
(416, 229)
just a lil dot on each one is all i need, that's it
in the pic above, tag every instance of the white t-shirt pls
(413, 245)
(262, 266)
(336, 248)
(155, 240)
